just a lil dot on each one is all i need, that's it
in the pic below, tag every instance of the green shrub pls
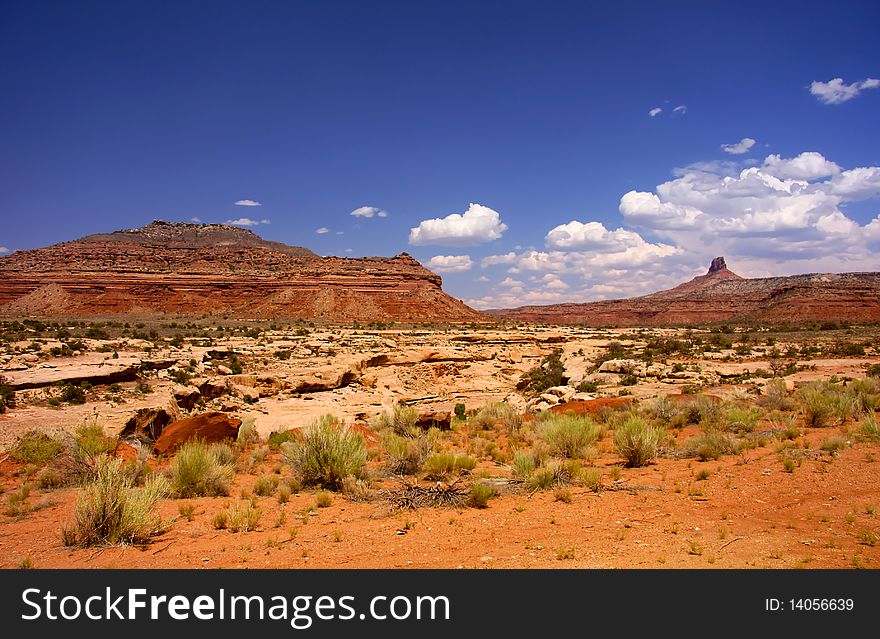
(833, 444)
(223, 453)
(711, 445)
(7, 395)
(740, 419)
(400, 421)
(90, 440)
(493, 412)
(587, 387)
(73, 394)
(36, 447)
(480, 494)
(406, 456)
(265, 485)
(550, 373)
(568, 435)
(278, 437)
(524, 464)
(461, 411)
(818, 404)
(327, 453)
(196, 472)
(110, 510)
(555, 473)
(636, 441)
(869, 429)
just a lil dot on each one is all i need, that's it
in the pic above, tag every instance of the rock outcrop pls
(196, 269)
(208, 427)
(722, 295)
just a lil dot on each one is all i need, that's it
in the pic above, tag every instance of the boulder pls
(621, 366)
(210, 427)
(549, 398)
(435, 419)
(211, 389)
(147, 424)
(224, 370)
(564, 393)
(186, 397)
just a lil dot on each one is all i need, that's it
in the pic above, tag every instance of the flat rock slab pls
(93, 373)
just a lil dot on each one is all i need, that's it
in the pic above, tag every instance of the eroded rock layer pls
(722, 295)
(214, 269)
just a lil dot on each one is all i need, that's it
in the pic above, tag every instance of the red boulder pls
(210, 427)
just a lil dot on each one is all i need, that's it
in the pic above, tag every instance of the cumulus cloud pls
(837, 92)
(450, 263)
(591, 235)
(246, 221)
(322, 230)
(806, 166)
(369, 211)
(247, 203)
(857, 184)
(494, 260)
(740, 147)
(195, 220)
(478, 225)
(3, 250)
(655, 112)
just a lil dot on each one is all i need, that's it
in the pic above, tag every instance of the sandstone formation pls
(209, 427)
(195, 269)
(721, 295)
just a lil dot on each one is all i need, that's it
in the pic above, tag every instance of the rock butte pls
(216, 269)
(720, 295)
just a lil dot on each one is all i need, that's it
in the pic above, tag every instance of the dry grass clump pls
(569, 436)
(636, 441)
(196, 470)
(36, 447)
(111, 510)
(327, 453)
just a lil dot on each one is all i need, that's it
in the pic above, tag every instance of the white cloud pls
(682, 109)
(247, 203)
(836, 92)
(806, 166)
(478, 225)
(322, 230)
(494, 260)
(857, 184)
(369, 211)
(592, 235)
(738, 148)
(481, 279)
(3, 250)
(348, 250)
(246, 221)
(655, 112)
(450, 263)
(195, 220)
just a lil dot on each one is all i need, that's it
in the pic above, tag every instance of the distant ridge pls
(722, 295)
(186, 269)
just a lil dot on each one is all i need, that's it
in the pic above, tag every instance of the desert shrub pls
(323, 498)
(278, 437)
(223, 453)
(776, 396)
(833, 444)
(221, 520)
(440, 464)
(554, 473)
(865, 395)
(563, 494)
(820, 404)
(592, 479)
(49, 478)
(73, 394)
(523, 464)
(480, 494)
(265, 485)
(327, 453)
(111, 510)
(549, 373)
(874, 370)
(483, 421)
(16, 502)
(568, 435)
(400, 421)
(636, 441)
(741, 419)
(242, 517)
(492, 412)
(587, 387)
(36, 447)
(195, 472)
(869, 429)
(614, 350)
(357, 489)
(406, 455)
(247, 433)
(90, 440)
(7, 395)
(711, 445)
(461, 411)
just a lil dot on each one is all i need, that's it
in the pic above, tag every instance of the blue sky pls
(531, 119)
